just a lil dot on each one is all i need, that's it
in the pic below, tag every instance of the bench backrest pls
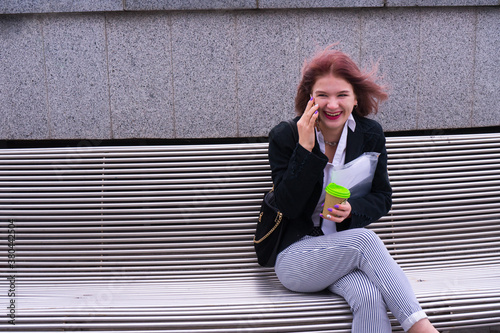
(189, 211)
(446, 201)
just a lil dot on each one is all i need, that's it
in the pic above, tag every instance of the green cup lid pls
(337, 191)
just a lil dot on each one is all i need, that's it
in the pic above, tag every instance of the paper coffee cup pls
(335, 195)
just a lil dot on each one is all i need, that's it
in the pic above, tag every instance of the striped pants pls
(356, 265)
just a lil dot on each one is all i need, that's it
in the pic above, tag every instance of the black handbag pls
(271, 223)
(269, 231)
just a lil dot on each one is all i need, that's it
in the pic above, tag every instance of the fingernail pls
(328, 216)
(316, 105)
(336, 206)
(311, 98)
(316, 112)
(321, 215)
(330, 210)
(322, 204)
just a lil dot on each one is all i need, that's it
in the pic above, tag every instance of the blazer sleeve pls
(294, 170)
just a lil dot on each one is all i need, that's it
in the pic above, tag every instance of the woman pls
(335, 252)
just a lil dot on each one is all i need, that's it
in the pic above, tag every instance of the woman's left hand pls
(339, 213)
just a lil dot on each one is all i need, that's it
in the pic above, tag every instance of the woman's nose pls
(332, 103)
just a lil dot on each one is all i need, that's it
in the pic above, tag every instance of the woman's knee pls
(368, 234)
(366, 238)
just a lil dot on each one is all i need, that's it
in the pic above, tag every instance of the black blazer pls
(298, 178)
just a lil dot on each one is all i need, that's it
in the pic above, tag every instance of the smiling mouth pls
(333, 114)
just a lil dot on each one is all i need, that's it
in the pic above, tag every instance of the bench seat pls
(159, 238)
(244, 304)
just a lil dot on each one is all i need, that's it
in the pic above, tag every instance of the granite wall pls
(115, 69)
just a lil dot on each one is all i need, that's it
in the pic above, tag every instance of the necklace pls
(333, 144)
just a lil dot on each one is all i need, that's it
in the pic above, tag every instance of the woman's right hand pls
(306, 125)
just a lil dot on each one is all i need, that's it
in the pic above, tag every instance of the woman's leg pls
(315, 263)
(366, 302)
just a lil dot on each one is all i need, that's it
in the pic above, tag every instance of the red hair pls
(332, 62)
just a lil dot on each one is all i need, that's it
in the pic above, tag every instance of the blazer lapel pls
(355, 144)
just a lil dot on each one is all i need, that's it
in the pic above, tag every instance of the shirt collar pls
(351, 123)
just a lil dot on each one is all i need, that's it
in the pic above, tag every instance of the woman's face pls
(336, 100)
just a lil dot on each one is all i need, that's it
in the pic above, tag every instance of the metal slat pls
(137, 230)
(116, 198)
(181, 245)
(103, 235)
(144, 269)
(63, 165)
(426, 140)
(428, 157)
(30, 221)
(113, 190)
(422, 166)
(153, 206)
(444, 216)
(446, 176)
(133, 180)
(148, 172)
(117, 191)
(404, 189)
(77, 252)
(447, 182)
(326, 307)
(143, 174)
(446, 201)
(445, 150)
(189, 210)
(458, 227)
(406, 194)
(182, 152)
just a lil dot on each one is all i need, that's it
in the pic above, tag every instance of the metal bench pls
(159, 238)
